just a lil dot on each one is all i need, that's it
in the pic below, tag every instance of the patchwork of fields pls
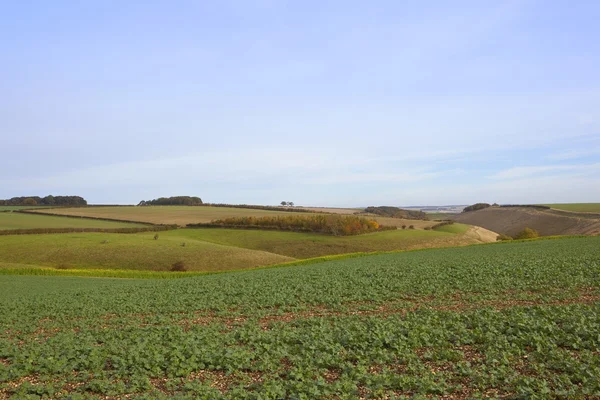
(514, 320)
(183, 215)
(207, 249)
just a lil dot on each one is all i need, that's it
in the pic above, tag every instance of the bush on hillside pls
(475, 207)
(503, 237)
(338, 225)
(527, 233)
(179, 266)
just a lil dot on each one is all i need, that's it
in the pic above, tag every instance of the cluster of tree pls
(396, 212)
(476, 206)
(45, 201)
(173, 201)
(527, 233)
(338, 225)
(287, 203)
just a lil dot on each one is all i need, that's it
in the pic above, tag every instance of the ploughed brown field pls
(512, 220)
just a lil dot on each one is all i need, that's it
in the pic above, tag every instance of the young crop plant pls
(512, 320)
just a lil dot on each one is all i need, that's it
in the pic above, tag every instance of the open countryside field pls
(11, 220)
(577, 207)
(16, 208)
(512, 220)
(183, 215)
(507, 320)
(209, 249)
(180, 215)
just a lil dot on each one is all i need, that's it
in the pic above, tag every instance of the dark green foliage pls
(475, 207)
(173, 201)
(395, 212)
(45, 201)
(527, 233)
(443, 223)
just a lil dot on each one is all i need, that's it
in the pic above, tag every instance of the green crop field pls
(16, 208)
(10, 220)
(205, 249)
(507, 320)
(577, 207)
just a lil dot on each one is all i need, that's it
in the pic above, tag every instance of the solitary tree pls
(284, 203)
(291, 203)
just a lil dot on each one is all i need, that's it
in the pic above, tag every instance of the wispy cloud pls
(531, 171)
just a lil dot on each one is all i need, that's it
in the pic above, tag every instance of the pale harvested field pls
(180, 215)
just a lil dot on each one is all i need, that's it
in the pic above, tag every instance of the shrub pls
(476, 206)
(527, 233)
(502, 237)
(179, 266)
(63, 266)
(156, 236)
(411, 227)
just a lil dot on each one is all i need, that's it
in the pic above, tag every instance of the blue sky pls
(336, 103)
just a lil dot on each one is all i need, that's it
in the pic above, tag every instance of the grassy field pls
(10, 220)
(209, 249)
(508, 320)
(183, 215)
(16, 208)
(127, 251)
(577, 207)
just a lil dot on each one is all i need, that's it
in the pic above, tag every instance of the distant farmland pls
(576, 207)
(183, 215)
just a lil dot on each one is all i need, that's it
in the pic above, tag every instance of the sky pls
(330, 103)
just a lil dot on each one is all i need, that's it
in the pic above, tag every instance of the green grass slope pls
(11, 220)
(509, 320)
(306, 245)
(127, 251)
(576, 207)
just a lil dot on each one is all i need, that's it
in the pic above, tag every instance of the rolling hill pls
(511, 220)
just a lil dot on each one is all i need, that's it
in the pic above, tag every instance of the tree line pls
(173, 201)
(44, 201)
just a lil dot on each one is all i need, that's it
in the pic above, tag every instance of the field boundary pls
(89, 217)
(41, 231)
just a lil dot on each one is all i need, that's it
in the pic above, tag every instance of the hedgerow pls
(338, 225)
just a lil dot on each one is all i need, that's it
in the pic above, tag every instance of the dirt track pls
(512, 220)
